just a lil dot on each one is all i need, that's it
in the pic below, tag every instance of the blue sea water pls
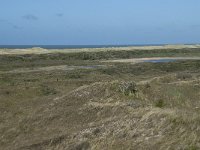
(68, 46)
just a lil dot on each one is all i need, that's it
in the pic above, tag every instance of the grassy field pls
(112, 106)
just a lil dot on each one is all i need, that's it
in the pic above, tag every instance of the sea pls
(69, 46)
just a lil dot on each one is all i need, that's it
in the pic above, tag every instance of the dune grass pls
(120, 106)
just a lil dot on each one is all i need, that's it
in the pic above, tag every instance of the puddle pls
(161, 60)
(91, 67)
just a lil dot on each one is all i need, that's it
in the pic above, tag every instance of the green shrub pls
(193, 147)
(159, 103)
(183, 76)
(75, 74)
(46, 90)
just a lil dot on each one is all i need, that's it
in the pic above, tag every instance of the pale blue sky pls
(96, 22)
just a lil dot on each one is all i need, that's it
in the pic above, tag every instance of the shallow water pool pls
(161, 60)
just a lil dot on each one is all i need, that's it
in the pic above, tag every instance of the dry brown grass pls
(85, 108)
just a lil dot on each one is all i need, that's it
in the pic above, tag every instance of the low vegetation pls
(128, 88)
(119, 106)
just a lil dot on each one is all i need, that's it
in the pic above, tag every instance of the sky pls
(99, 22)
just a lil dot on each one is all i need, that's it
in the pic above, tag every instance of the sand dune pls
(38, 50)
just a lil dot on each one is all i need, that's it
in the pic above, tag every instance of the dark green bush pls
(46, 90)
(159, 103)
(183, 76)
